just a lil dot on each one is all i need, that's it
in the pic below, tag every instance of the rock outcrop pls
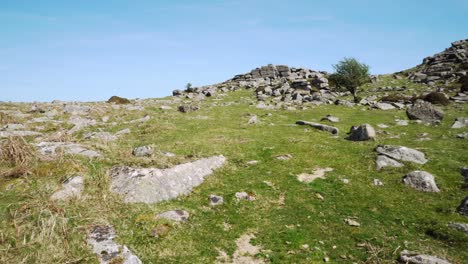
(447, 66)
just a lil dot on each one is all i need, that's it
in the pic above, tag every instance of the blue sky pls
(90, 50)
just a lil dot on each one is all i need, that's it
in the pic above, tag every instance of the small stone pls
(382, 126)
(174, 215)
(245, 196)
(345, 181)
(399, 122)
(378, 182)
(460, 122)
(319, 196)
(421, 181)
(331, 118)
(352, 222)
(143, 151)
(463, 207)
(216, 200)
(284, 157)
(253, 120)
(160, 231)
(252, 162)
(459, 226)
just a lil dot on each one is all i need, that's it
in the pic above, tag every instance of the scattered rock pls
(76, 109)
(318, 173)
(384, 106)
(460, 122)
(245, 252)
(188, 108)
(416, 258)
(52, 148)
(284, 157)
(421, 181)
(424, 111)
(464, 173)
(245, 196)
(361, 133)
(154, 185)
(352, 222)
(139, 120)
(102, 136)
(165, 107)
(18, 133)
(459, 226)
(101, 239)
(71, 188)
(402, 153)
(318, 126)
(382, 126)
(463, 207)
(331, 118)
(253, 120)
(400, 122)
(175, 215)
(378, 182)
(384, 161)
(216, 200)
(143, 151)
(463, 135)
(252, 162)
(123, 131)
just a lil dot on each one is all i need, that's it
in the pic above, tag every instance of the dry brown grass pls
(18, 155)
(7, 119)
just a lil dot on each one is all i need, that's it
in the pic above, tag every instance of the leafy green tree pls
(350, 74)
(189, 88)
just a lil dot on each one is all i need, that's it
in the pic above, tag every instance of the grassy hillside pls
(293, 222)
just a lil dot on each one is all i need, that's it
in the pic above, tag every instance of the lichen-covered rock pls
(143, 151)
(421, 181)
(175, 215)
(460, 122)
(417, 258)
(463, 207)
(384, 161)
(52, 148)
(101, 239)
(155, 185)
(402, 153)
(71, 188)
(424, 111)
(216, 200)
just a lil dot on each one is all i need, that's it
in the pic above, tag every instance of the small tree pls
(350, 74)
(188, 88)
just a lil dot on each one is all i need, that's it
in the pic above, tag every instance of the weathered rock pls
(416, 258)
(101, 239)
(253, 120)
(143, 151)
(361, 133)
(462, 135)
(352, 222)
(18, 133)
(331, 118)
(402, 153)
(378, 182)
(384, 106)
(421, 181)
(175, 215)
(464, 173)
(102, 136)
(459, 226)
(424, 111)
(245, 196)
(384, 161)
(71, 188)
(284, 157)
(154, 185)
(216, 200)
(123, 131)
(463, 207)
(80, 123)
(317, 173)
(318, 126)
(188, 108)
(51, 148)
(460, 122)
(400, 122)
(76, 109)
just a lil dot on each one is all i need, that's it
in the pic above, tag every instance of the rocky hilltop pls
(447, 66)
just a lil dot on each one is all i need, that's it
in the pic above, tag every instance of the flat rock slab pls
(318, 173)
(101, 239)
(18, 133)
(175, 215)
(318, 126)
(71, 188)
(421, 181)
(460, 122)
(51, 149)
(384, 161)
(154, 185)
(416, 258)
(102, 136)
(402, 153)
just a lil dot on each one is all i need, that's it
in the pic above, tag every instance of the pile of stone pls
(447, 66)
(275, 82)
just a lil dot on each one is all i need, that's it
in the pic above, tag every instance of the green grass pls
(393, 217)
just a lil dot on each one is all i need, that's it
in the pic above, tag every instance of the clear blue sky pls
(93, 49)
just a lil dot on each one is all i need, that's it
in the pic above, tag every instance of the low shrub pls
(118, 100)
